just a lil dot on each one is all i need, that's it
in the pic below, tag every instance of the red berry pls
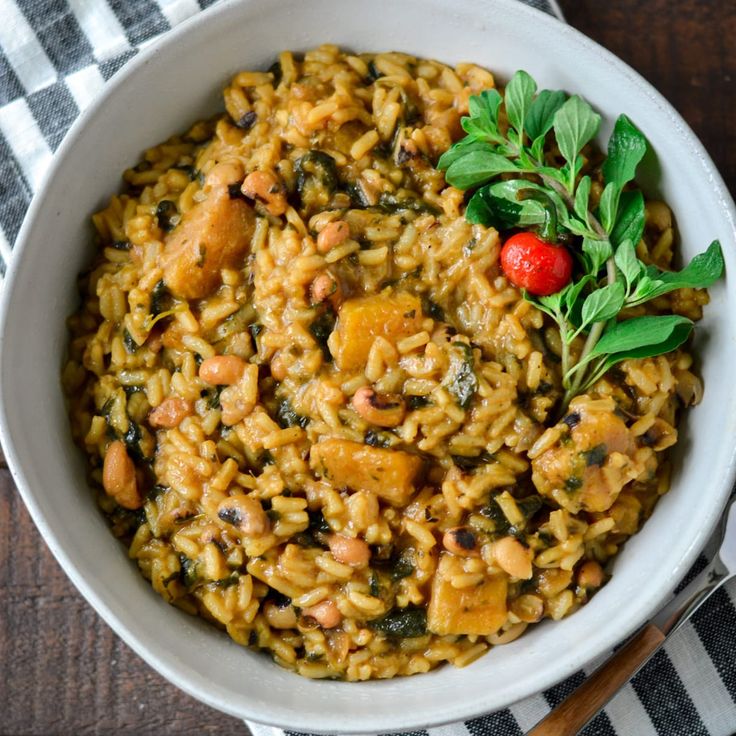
(532, 264)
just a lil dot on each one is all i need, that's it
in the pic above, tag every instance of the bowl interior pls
(178, 81)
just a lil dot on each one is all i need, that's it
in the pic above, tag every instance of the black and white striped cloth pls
(55, 56)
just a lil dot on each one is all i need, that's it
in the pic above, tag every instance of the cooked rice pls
(376, 123)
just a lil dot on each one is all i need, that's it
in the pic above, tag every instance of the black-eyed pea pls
(118, 477)
(265, 187)
(280, 617)
(244, 513)
(513, 557)
(528, 608)
(170, 412)
(462, 541)
(326, 614)
(332, 234)
(325, 287)
(383, 410)
(590, 575)
(222, 370)
(349, 550)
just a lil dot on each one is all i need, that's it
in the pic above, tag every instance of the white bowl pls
(176, 82)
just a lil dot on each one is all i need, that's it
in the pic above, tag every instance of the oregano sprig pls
(506, 166)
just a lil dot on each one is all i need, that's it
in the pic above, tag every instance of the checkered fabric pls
(55, 56)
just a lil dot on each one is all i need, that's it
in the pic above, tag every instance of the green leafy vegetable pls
(626, 149)
(402, 623)
(513, 184)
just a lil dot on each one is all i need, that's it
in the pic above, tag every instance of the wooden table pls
(62, 670)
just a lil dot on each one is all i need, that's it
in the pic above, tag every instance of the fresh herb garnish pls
(556, 201)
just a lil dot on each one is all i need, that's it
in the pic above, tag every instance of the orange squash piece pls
(360, 321)
(479, 610)
(390, 474)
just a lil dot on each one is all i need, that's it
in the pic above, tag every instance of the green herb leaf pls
(460, 149)
(629, 265)
(541, 115)
(642, 337)
(477, 167)
(582, 197)
(503, 213)
(484, 108)
(597, 252)
(402, 623)
(608, 206)
(626, 149)
(518, 98)
(631, 217)
(575, 124)
(604, 303)
(462, 382)
(703, 271)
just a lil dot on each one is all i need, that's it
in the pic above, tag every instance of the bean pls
(170, 412)
(513, 558)
(118, 477)
(462, 541)
(280, 617)
(326, 614)
(222, 370)
(332, 234)
(325, 287)
(590, 575)
(244, 513)
(383, 410)
(349, 550)
(265, 187)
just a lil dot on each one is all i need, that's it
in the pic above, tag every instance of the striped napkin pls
(55, 56)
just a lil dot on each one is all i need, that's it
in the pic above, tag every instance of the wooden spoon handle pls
(571, 715)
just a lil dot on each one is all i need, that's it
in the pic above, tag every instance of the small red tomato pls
(532, 264)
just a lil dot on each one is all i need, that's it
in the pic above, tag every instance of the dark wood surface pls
(62, 670)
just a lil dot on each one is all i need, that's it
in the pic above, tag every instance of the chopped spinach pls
(470, 463)
(188, 575)
(417, 402)
(391, 203)
(213, 402)
(277, 72)
(190, 171)
(159, 298)
(596, 455)
(573, 483)
(255, 329)
(278, 599)
(130, 390)
(130, 344)
(374, 585)
(402, 623)
(316, 176)
(165, 211)
(433, 310)
(287, 417)
(321, 328)
(376, 438)
(156, 491)
(121, 245)
(373, 73)
(132, 440)
(266, 458)
(462, 381)
(494, 512)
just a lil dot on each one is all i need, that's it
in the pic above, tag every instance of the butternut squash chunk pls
(390, 474)
(479, 610)
(360, 321)
(213, 235)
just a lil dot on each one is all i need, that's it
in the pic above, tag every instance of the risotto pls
(315, 409)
